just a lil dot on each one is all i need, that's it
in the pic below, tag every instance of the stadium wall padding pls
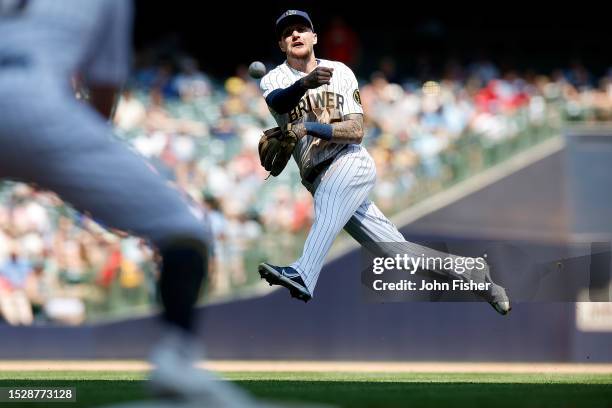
(339, 325)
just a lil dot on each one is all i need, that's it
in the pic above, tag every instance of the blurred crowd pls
(54, 261)
(202, 133)
(412, 124)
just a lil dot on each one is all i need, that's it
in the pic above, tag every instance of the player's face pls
(297, 41)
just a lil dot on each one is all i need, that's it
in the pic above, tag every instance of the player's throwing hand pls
(319, 76)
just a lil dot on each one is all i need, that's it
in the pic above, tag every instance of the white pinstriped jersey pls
(90, 37)
(333, 101)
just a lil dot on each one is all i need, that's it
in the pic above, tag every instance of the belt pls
(320, 168)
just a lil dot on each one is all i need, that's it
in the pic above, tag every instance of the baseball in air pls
(257, 69)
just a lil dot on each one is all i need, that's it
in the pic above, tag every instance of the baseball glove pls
(276, 147)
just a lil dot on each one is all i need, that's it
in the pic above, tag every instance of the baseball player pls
(317, 102)
(50, 139)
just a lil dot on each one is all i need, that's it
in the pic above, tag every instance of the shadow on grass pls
(95, 393)
(427, 394)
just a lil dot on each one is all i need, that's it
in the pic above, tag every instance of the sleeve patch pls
(357, 96)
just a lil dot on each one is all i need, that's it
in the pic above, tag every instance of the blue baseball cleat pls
(287, 277)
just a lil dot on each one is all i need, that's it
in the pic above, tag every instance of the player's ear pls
(314, 38)
(282, 46)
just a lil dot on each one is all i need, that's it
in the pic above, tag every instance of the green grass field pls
(350, 389)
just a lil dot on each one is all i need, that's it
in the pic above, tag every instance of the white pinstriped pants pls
(341, 201)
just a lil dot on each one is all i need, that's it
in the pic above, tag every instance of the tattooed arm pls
(348, 131)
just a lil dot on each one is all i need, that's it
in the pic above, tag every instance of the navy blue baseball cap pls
(292, 17)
